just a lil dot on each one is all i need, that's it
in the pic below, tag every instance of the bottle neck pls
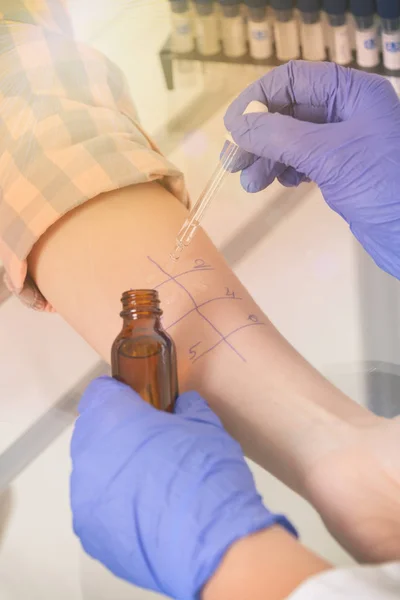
(141, 305)
(309, 18)
(365, 22)
(284, 16)
(145, 321)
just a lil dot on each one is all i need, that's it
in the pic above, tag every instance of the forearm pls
(280, 409)
(269, 565)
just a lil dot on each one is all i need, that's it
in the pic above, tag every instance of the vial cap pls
(179, 5)
(335, 7)
(388, 9)
(309, 6)
(257, 3)
(282, 4)
(362, 8)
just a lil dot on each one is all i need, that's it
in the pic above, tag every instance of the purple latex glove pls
(159, 498)
(338, 127)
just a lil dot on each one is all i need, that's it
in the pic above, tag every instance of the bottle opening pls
(137, 303)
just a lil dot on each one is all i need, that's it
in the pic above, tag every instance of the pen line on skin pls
(224, 340)
(197, 309)
(199, 306)
(173, 277)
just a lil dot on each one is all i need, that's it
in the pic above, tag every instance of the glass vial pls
(207, 28)
(311, 30)
(261, 42)
(182, 31)
(233, 30)
(389, 11)
(286, 31)
(143, 355)
(367, 45)
(336, 10)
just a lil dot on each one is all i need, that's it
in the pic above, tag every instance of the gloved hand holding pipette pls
(338, 127)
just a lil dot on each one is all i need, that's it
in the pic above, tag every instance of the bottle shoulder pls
(142, 343)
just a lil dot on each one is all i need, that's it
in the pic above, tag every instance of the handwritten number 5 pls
(192, 351)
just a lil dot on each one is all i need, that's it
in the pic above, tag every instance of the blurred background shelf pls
(168, 57)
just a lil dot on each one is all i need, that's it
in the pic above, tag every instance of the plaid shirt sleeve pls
(68, 132)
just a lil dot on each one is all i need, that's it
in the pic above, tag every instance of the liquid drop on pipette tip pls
(174, 256)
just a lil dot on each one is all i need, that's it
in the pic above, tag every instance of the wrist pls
(333, 436)
(335, 440)
(268, 564)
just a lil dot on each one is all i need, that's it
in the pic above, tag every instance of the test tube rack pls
(168, 57)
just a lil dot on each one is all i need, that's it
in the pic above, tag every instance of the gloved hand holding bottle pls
(338, 127)
(159, 498)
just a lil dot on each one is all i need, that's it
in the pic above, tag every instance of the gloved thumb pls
(284, 139)
(193, 407)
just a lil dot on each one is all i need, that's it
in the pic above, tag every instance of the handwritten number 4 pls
(229, 294)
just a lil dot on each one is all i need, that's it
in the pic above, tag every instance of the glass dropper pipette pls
(229, 156)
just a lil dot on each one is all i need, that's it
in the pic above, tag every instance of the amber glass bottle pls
(143, 355)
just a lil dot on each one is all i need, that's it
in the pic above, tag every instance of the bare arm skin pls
(267, 395)
(287, 417)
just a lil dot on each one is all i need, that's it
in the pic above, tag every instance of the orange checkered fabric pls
(68, 132)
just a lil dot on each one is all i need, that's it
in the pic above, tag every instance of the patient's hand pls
(356, 489)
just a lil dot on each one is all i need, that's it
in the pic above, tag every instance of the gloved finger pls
(291, 178)
(318, 90)
(286, 140)
(193, 407)
(260, 175)
(240, 161)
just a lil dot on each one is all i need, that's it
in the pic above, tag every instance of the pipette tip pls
(176, 253)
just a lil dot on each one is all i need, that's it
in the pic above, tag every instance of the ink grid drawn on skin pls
(201, 348)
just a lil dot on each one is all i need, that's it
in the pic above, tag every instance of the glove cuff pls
(226, 533)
